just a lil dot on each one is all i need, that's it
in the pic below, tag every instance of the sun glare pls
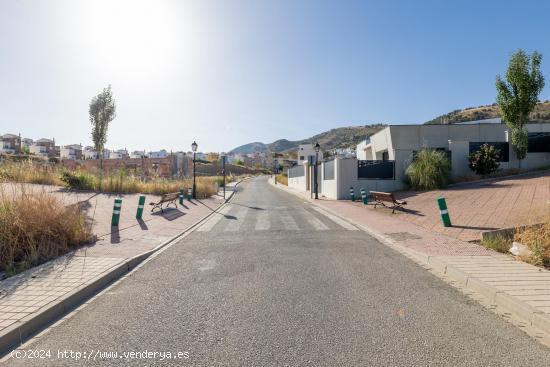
(132, 36)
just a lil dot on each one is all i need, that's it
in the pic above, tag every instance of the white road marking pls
(314, 221)
(234, 224)
(210, 223)
(337, 220)
(262, 223)
(289, 222)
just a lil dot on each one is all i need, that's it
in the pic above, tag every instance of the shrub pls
(37, 227)
(537, 238)
(499, 244)
(79, 180)
(485, 160)
(429, 170)
(282, 179)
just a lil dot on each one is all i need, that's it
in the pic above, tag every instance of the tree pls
(485, 160)
(102, 112)
(517, 96)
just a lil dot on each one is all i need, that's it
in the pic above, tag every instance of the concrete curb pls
(18, 333)
(511, 305)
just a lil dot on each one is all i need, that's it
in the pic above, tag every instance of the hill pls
(342, 137)
(540, 114)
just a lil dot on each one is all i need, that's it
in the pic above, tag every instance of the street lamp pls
(194, 147)
(317, 148)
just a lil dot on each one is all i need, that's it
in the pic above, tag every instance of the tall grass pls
(537, 238)
(120, 181)
(282, 179)
(429, 170)
(37, 227)
(29, 172)
(124, 183)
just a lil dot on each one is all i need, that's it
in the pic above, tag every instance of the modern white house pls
(72, 152)
(383, 158)
(306, 152)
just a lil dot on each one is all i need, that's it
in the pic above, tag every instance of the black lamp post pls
(194, 148)
(317, 148)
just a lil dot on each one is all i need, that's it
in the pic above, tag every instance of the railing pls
(376, 170)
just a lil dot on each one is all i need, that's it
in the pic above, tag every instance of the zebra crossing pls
(233, 218)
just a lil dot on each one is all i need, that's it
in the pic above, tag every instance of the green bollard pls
(141, 205)
(352, 194)
(116, 212)
(444, 212)
(364, 196)
(189, 194)
(182, 195)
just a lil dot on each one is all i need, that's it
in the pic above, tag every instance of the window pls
(539, 142)
(301, 157)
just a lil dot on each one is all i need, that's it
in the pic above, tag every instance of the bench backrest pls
(170, 196)
(383, 196)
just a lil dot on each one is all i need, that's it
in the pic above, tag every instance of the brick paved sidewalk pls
(28, 294)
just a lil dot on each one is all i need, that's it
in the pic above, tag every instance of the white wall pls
(345, 173)
(298, 182)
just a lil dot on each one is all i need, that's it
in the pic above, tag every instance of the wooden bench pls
(169, 198)
(380, 198)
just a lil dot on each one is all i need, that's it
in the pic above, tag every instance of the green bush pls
(79, 180)
(485, 160)
(429, 170)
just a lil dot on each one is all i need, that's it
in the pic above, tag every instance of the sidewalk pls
(515, 287)
(39, 295)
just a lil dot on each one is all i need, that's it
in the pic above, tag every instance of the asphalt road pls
(274, 282)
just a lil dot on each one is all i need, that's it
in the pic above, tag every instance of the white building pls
(307, 152)
(383, 158)
(10, 144)
(158, 154)
(90, 153)
(138, 154)
(26, 142)
(72, 152)
(118, 154)
(43, 148)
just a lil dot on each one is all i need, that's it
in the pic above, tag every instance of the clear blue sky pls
(230, 72)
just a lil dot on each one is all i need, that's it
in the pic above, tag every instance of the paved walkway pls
(482, 206)
(502, 279)
(26, 295)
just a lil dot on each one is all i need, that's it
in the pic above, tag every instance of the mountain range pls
(345, 137)
(341, 137)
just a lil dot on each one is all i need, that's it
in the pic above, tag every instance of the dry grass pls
(537, 238)
(36, 227)
(282, 179)
(498, 244)
(29, 172)
(123, 183)
(120, 181)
